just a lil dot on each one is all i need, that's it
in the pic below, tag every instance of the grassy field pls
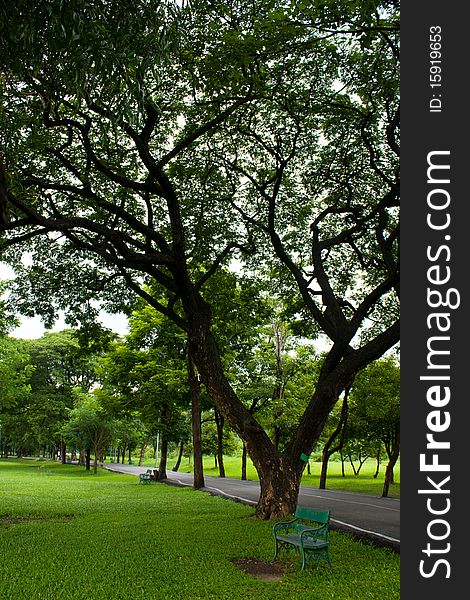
(364, 482)
(66, 534)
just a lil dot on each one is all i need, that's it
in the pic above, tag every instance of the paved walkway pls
(364, 515)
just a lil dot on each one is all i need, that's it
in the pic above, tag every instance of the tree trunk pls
(244, 454)
(63, 451)
(395, 452)
(180, 456)
(327, 450)
(351, 462)
(362, 461)
(163, 444)
(163, 457)
(143, 449)
(377, 468)
(219, 422)
(389, 473)
(87, 459)
(279, 485)
(195, 391)
(279, 343)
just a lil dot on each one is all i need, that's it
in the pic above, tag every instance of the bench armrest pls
(319, 533)
(284, 526)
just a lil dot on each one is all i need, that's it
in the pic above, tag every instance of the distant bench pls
(148, 476)
(306, 533)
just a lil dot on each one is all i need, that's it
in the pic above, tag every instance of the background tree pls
(376, 397)
(89, 427)
(146, 372)
(61, 366)
(335, 436)
(15, 373)
(217, 443)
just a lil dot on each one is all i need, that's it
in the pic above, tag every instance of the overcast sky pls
(32, 328)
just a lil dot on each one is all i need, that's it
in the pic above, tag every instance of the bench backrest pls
(311, 514)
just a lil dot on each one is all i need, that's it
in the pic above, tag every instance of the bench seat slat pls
(307, 542)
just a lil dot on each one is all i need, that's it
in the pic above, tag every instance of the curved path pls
(365, 516)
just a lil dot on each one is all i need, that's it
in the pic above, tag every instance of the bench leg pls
(278, 546)
(314, 555)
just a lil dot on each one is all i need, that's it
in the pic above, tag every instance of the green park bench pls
(307, 534)
(146, 477)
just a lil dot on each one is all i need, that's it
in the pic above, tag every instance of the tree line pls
(65, 396)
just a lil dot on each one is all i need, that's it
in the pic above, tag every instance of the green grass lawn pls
(364, 482)
(66, 534)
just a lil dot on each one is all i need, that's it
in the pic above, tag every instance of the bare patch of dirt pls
(266, 571)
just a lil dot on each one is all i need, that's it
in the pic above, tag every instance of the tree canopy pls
(145, 147)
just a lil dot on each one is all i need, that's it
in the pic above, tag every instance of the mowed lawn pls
(66, 534)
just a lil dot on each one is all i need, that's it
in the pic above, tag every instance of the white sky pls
(33, 328)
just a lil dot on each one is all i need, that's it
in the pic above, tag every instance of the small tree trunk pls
(143, 448)
(163, 457)
(327, 450)
(377, 468)
(195, 391)
(63, 451)
(389, 472)
(219, 422)
(87, 459)
(180, 456)
(351, 462)
(361, 463)
(394, 454)
(244, 453)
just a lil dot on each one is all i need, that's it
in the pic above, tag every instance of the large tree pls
(147, 145)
